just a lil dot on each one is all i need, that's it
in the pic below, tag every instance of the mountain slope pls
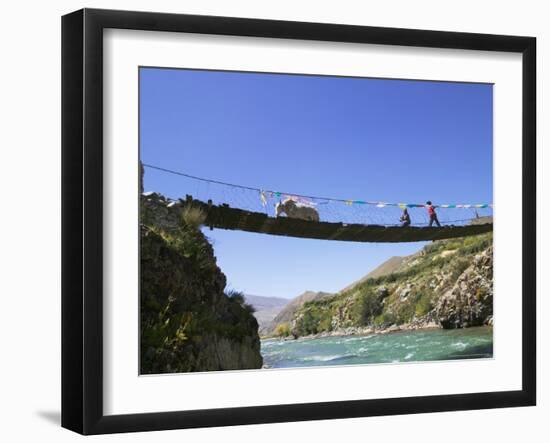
(288, 312)
(449, 283)
(389, 266)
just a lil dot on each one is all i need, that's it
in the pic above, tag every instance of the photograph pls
(292, 221)
(274, 222)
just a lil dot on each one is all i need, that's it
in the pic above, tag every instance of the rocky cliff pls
(469, 302)
(188, 321)
(448, 284)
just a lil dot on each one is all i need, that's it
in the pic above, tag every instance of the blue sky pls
(364, 139)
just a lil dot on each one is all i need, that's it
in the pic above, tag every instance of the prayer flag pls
(263, 198)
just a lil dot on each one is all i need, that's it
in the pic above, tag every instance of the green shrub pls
(385, 319)
(325, 323)
(476, 244)
(366, 307)
(282, 330)
(314, 319)
(424, 304)
(452, 245)
(433, 247)
(405, 311)
(458, 266)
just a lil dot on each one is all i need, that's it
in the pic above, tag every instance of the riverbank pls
(363, 331)
(390, 346)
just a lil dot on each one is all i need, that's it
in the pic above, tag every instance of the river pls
(404, 346)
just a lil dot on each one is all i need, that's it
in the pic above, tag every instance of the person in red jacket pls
(432, 214)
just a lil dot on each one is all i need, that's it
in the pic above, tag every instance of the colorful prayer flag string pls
(322, 200)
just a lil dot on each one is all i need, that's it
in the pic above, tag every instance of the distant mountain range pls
(266, 308)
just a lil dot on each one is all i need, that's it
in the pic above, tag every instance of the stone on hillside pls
(381, 293)
(470, 301)
(405, 292)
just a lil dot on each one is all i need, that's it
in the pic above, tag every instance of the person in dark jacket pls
(432, 214)
(405, 218)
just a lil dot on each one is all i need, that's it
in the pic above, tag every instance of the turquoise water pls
(409, 346)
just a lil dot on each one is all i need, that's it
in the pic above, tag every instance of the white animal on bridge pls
(294, 209)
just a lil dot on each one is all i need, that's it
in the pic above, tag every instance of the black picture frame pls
(82, 215)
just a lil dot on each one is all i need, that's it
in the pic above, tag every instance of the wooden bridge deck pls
(225, 217)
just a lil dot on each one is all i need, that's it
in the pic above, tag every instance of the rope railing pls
(329, 209)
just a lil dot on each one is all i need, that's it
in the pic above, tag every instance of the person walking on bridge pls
(432, 214)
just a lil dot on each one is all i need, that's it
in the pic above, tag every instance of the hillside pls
(448, 284)
(389, 266)
(286, 314)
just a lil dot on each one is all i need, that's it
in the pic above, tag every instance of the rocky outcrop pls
(470, 301)
(188, 321)
(157, 210)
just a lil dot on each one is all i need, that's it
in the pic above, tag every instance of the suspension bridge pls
(237, 207)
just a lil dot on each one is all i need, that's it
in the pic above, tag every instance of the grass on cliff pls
(190, 242)
(238, 297)
(193, 216)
